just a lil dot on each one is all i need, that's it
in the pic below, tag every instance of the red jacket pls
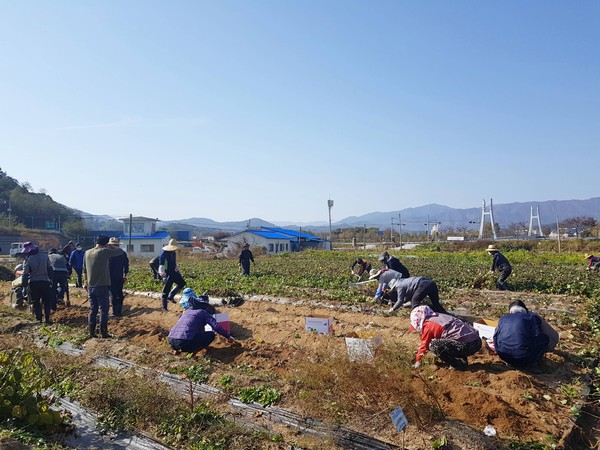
(444, 326)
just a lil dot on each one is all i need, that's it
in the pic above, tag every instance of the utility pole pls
(558, 233)
(365, 236)
(392, 230)
(330, 205)
(400, 228)
(129, 247)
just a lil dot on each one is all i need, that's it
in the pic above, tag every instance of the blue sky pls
(238, 109)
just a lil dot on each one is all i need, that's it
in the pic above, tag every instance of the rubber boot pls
(92, 330)
(104, 331)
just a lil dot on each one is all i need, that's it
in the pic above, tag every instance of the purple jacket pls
(192, 323)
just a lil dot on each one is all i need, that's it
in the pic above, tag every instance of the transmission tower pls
(487, 213)
(536, 216)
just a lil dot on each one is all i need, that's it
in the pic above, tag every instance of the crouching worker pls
(520, 340)
(188, 334)
(448, 338)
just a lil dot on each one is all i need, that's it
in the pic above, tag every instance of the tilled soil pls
(272, 339)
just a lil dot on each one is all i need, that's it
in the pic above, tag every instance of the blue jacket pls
(169, 260)
(519, 339)
(76, 259)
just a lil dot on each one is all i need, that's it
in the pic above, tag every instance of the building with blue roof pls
(276, 240)
(140, 237)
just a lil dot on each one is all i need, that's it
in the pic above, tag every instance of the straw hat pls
(114, 241)
(587, 256)
(374, 273)
(491, 248)
(172, 246)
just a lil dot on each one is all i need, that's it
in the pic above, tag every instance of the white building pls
(145, 242)
(276, 240)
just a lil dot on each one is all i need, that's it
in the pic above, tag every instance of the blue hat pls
(186, 296)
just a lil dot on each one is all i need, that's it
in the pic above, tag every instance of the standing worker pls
(37, 273)
(60, 278)
(119, 268)
(169, 271)
(501, 264)
(363, 267)
(97, 282)
(76, 262)
(391, 262)
(244, 259)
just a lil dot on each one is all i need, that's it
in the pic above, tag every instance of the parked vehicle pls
(16, 247)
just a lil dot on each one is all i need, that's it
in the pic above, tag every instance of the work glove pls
(161, 271)
(416, 365)
(390, 311)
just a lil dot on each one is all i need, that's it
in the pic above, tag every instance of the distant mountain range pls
(419, 218)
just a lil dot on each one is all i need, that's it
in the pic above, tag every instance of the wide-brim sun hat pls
(382, 256)
(374, 273)
(29, 247)
(491, 248)
(587, 256)
(171, 246)
(114, 241)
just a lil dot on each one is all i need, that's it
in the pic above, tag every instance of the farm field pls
(310, 374)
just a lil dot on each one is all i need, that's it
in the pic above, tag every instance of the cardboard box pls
(486, 327)
(223, 320)
(363, 345)
(319, 324)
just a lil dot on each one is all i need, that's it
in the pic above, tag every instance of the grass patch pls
(333, 389)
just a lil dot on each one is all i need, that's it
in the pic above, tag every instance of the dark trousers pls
(79, 280)
(60, 285)
(99, 302)
(116, 295)
(454, 352)
(246, 267)
(40, 294)
(501, 284)
(167, 293)
(427, 288)
(201, 341)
